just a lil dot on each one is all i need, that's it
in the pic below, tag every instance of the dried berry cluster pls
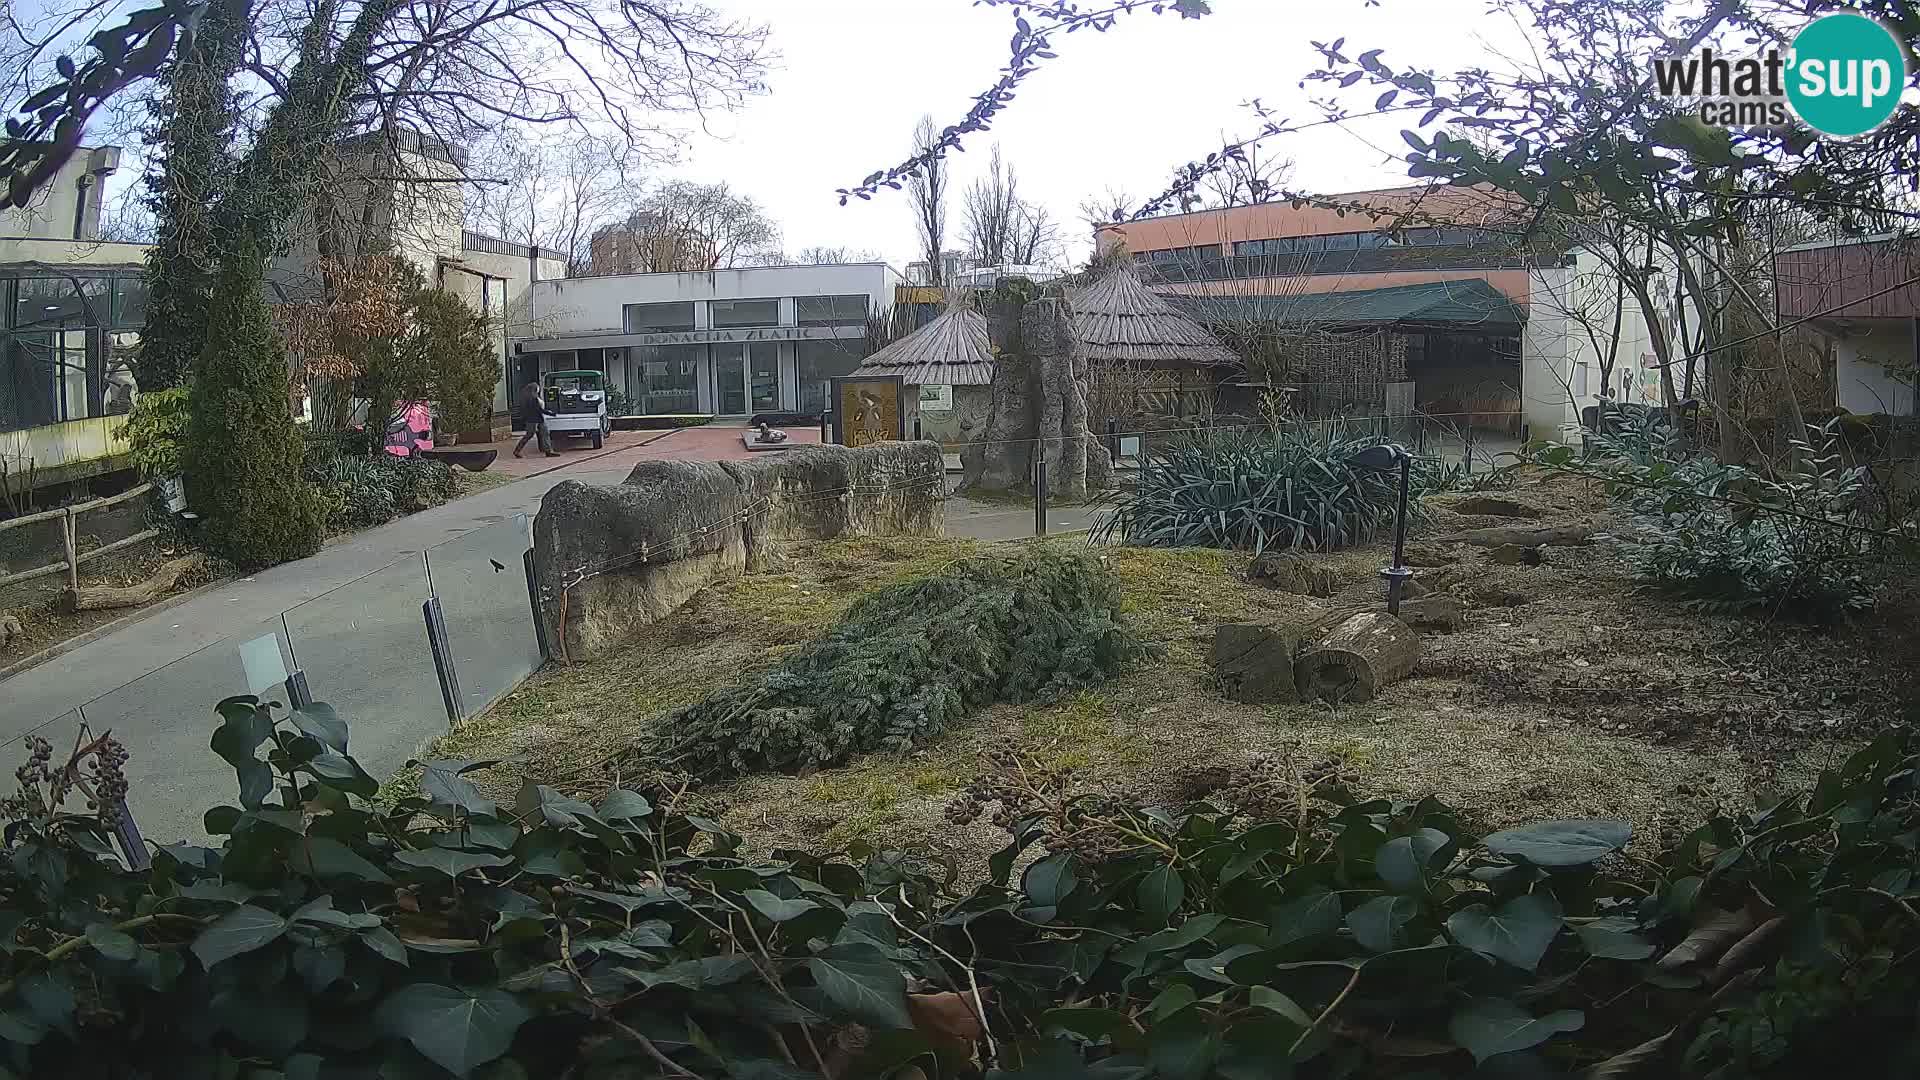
(97, 770)
(1021, 788)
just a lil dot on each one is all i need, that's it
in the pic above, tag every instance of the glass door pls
(730, 379)
(763, 375)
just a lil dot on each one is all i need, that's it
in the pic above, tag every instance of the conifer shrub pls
(243, 453)
(907, 661)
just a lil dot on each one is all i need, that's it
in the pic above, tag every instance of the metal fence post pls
(533, 598)
(442, 657)
(298, 695)
(133, 847)
(916, 427)
(1113, 438)
(71, 549)
(1040, 488)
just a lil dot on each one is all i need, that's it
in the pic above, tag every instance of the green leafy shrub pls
(372, 489)
(243, 455)
(156, 431)
(1728, 539)
(909, 660)
(461, 357)
(1292, 487)
(451, 935)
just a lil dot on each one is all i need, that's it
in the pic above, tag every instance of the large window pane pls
(659, 318)
(830, 310)
(662, 379)
(820, 361)
(763, 372)
(727, 313)
(729, 382)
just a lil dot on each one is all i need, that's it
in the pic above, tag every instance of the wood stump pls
(1353, 660)
(1439, 612)
(101, 597)
(1291, 572)
(1254, 663)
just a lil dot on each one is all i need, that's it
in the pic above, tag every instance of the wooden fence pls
(72, 558)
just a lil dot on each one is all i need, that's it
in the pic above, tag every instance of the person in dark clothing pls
(530, 408)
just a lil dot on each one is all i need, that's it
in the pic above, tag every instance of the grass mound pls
(906, 661)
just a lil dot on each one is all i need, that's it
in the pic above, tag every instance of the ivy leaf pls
(1266, 997)
(1376, 924)
(707, 971)
(1488, 1027)
(1160, 893)
(1615, 939)
(448, 862)
(1303, 918)
(775, 908)
(1561, 844)
(110, 943)
(241, 930)
(381, 940)
(864, 983)
(623, 805)
(1049, 880)
(1182, 1047)
(459, 1030)
(1402, 861)
(441, 781)
(322, 857)
(1518, 933)
(321, 722)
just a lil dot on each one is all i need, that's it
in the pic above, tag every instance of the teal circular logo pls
(1846, 75)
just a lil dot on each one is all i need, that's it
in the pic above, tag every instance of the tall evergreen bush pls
(243, 455)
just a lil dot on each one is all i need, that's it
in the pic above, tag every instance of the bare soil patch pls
(43, 619)
(1569, 692)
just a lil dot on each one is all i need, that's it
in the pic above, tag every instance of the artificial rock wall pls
(609, 561)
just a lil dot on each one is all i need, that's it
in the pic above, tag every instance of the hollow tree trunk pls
(101, 597)
(1353, 660)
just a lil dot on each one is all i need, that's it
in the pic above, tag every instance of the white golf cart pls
(578, 402)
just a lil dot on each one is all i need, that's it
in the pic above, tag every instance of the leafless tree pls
(928, 189)
(1249, 178)
(833, 256)
(556, 194)
(685, 225)
(1002, 228)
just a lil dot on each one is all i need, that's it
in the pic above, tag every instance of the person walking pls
(530, 408)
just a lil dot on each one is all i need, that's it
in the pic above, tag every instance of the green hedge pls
(447, 934)
(908, 660)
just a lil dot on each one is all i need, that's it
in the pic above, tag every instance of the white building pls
(721, 342)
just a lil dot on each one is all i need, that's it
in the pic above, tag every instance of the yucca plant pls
(1287, 487)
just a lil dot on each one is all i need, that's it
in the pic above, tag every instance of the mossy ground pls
(1583, 698)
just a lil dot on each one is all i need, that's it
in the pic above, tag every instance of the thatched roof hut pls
(953, 349)
(1121, 321)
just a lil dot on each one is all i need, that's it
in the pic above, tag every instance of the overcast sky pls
(1117, 110)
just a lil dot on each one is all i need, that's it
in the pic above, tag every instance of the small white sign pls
(262, 662)
(937, 397)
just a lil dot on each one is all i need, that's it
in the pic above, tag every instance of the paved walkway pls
(154, 680)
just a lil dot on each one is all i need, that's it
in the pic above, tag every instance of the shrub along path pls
(1567, 694)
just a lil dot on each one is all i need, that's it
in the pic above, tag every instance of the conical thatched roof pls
(1122, 321)
(952, 349)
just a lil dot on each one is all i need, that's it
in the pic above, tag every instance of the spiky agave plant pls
(1288, 487)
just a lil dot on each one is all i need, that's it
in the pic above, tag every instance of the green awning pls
(1472, 304)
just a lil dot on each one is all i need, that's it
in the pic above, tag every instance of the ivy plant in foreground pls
(617, 937)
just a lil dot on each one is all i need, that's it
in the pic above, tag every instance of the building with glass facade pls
(722, 342)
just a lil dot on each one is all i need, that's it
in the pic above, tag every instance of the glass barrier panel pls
(481, 580)
(364, 650)
(166, 718)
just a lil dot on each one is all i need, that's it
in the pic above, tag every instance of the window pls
(660, 378)
(830, 310)
(728, 313)
(659, 318)
(820, 361)
(1343, 242)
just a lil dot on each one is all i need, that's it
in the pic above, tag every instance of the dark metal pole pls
(298, 695)
(533, 597)
(1039, 487)
(442, 657)
(1397, 574)
(826, 425)
(1113, 438)
(916, 427)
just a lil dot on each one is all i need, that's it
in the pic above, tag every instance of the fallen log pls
(1291, 572)
(1354, 659)
(103, 597)
(1561, 535)
(1254, 662)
